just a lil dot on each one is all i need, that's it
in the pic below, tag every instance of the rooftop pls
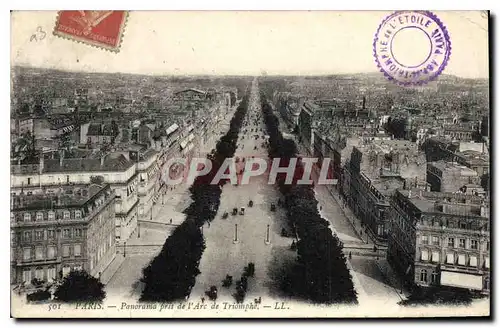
(191, 89)
(474, 156)
(453, 167)
(110, 163)
(388, 184)
(66, 196)
(448, 203)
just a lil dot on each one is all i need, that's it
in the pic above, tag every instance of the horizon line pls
(171, 74)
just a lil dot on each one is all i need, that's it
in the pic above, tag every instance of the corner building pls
(64, 229)
(440, 239)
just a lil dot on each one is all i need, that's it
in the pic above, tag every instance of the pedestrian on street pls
(350, 256)
(321, 208)
(170, 221)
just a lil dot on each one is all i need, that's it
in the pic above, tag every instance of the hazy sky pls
(319, 42)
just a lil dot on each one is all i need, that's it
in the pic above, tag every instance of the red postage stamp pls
(100, 28)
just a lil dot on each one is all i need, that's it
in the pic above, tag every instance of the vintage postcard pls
(251, 164)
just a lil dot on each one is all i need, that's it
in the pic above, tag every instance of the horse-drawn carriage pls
(212, 293)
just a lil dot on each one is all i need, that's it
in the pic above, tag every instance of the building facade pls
(440, 239)
(62, 229)
(116, 169)
(375, 170)
(449, 176)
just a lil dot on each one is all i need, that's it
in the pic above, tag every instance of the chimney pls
(103, 157)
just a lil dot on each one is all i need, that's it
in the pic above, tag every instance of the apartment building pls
(60, 229)
(440, 239)
(116, 169)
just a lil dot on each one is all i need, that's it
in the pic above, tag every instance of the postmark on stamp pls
(411, 47)
(100, 28)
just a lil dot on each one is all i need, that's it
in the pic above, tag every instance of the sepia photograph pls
(250, 164)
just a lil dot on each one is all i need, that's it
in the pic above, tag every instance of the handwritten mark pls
(39, 34)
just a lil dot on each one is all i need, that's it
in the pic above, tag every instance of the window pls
(27, 276)
(474, 244)
(78, 232)
(451, 242)
(39, 273)
(424, 239)
(66, 270)
(39, 253)
(29, 181)
(486, 283)
(38, 235)
(78, 250)
(65, 250)
(27, 217)
(52, 234)
(51, 252)
(78, 215)
(39, 216)
(473, 261)
(461, 243)
(51, 215)
(27, 236)
(463, 225)
(424, 255)
(77, 268)
(487, 262)
(435, 278)
(450, 258)
(27, 254)
(51, 273)
(461, 259)
(487, 245)
(66, 233)
(66, 215)
(12, 218)
(435, 256)
(423, 275)
(435, 240)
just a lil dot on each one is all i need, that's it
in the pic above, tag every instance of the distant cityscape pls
(411, 201)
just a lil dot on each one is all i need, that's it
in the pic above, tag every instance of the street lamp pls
(267, 236)
(124, 248)
(235, 241)
(138, 229)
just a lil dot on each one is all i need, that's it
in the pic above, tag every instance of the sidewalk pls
(112, 268)
(392, 278)
(351, 218)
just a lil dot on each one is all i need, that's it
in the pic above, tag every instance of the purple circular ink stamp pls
(411, 47)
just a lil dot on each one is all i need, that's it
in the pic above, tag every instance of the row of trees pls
(320, 273)
(172, 273)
